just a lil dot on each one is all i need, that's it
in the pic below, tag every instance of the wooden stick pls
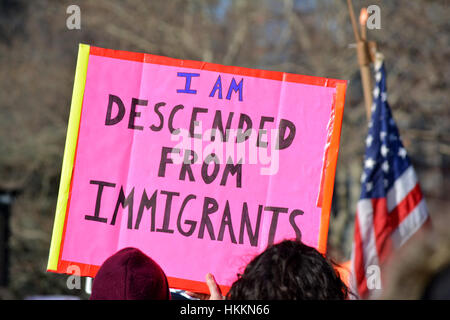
(353, 19)
(363, 60)
(366, 77)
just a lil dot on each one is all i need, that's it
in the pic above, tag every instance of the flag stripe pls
(401, 188)
(404, 208)
(413, 222)
(358, 262)
(365, 217)
(385, 223)
(382, 228)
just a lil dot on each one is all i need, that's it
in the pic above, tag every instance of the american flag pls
(391, 207)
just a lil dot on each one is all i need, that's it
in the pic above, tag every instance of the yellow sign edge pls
(69, 155)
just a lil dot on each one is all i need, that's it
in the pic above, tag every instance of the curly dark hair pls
(289, 270)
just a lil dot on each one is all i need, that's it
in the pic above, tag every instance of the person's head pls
(130, 275)
(289, 270)
(420, 269)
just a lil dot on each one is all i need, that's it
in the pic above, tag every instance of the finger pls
(196, 295)
(214, 289)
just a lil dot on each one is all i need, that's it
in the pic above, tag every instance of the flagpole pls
(364, 56)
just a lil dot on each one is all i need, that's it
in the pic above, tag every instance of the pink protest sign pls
(201, 166)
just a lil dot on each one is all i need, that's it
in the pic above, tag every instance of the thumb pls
(214, 289)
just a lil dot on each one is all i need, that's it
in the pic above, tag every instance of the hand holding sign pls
(214, 290)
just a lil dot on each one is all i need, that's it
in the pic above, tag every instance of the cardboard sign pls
(199, 165)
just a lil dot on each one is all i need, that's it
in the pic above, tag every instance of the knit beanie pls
(129, 274)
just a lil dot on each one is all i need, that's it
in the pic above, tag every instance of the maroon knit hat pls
(130, 275)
